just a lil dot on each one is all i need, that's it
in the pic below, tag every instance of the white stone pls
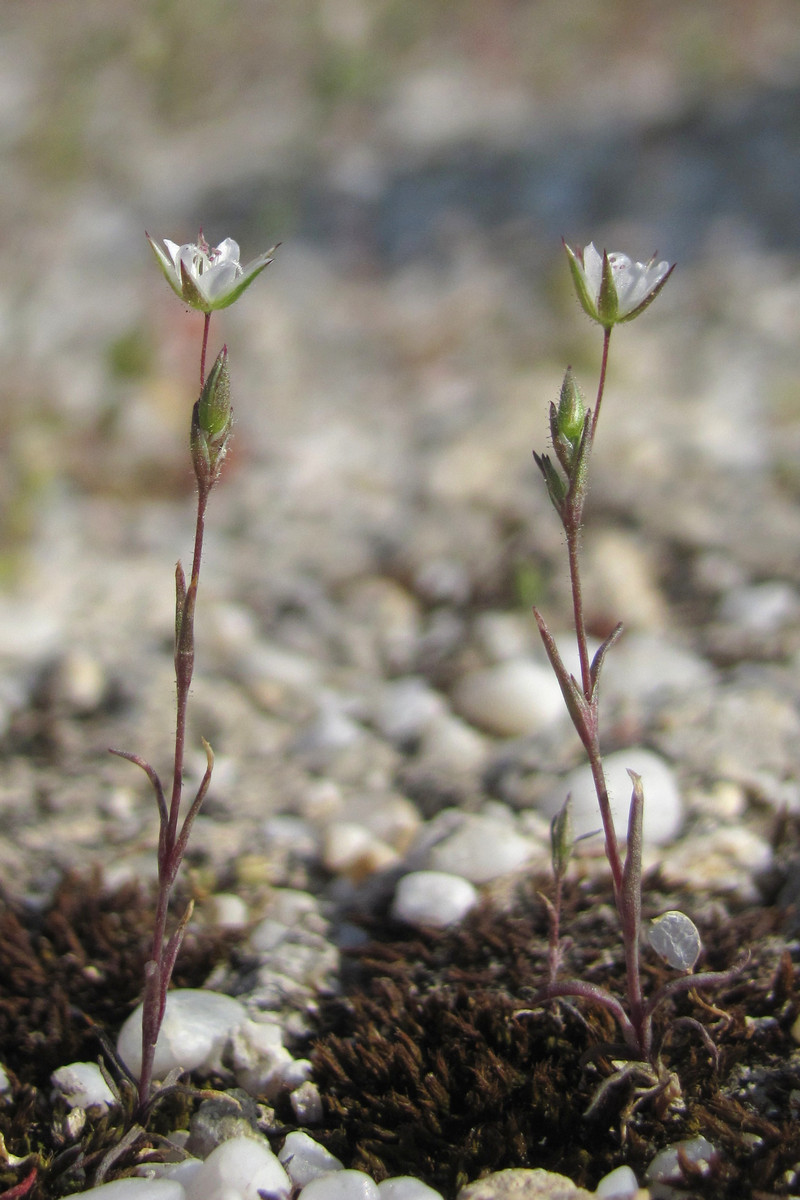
(304, 1159)
(259, 1058)
(450, 744)
(666, 1167)
(341, 1185)
(761, 608)
(82, 1085)
(644, 666)
(512, 699)
(618, 1185)
(433, 898)
(5, 1082)
(226, 910)
(663, 807)
(298, 1071)
(675, 937)
(307, 1103)
(405, 708)
(481, 848)
(406, 1187)
(196, 1028)
(240, 1169)
(137, 1189)
(523, 1183)
(351, 849)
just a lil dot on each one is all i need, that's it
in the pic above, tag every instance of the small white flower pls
(205, 277)
(611, 287)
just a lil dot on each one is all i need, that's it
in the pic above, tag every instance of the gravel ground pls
(367, 671)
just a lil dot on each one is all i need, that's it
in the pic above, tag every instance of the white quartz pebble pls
(242, 1168)
(341, 1185)
(675, 937)
(259, 1058)
(663, 807)
(196, 1028)
(514, 698)
(406, 1187)
(666, 1166)
(137, 1189)
(618, 1185)
(481, 848)
(433, 898)
(306, 1104)
(82, 1085)
(304, 1159)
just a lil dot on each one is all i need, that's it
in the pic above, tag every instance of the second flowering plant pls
(612, 289)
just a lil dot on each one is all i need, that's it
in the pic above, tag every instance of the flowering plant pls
(206, 279)
(611, 289)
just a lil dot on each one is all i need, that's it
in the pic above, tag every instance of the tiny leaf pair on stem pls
(205, 279)
(611, 289)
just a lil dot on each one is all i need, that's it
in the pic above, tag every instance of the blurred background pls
(419, 161)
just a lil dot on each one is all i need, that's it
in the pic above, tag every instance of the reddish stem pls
(206, 324)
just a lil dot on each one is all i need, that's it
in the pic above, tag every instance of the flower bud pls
(561, 838)
(211, 422)
(571, 408)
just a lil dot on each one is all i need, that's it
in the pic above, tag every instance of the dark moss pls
(426, 1070)
(69, 975)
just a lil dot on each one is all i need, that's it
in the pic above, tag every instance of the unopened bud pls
(211, 422)
(561, 838)
(571, 408)
(214, 405)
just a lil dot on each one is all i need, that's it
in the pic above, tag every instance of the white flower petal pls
(227, 251)
(593, 269)
(219, 279)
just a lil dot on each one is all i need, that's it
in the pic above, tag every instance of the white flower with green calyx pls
(611, 287)
(207, 277)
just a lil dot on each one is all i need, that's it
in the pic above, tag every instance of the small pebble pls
(259, 1058)
(618, 1185)
(82, 1085)
(405, 708)
(351, 849)
(304, 1159)
(137, 1189)
(405, 1187)
(226, 911)
(433, 898)
(481, 848)
(666, 1168)
(243, 1168)
(512, 699)
(675, 937)
(663, 807)
(762, 608)
(523, 1183)
(450, 744)
(196, 1028)
(341, 1185)
(307, 1104)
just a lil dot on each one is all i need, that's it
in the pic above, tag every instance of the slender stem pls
(206, 324)
(171, 844)
(184, 667)
(573, 537)
(601, 385)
